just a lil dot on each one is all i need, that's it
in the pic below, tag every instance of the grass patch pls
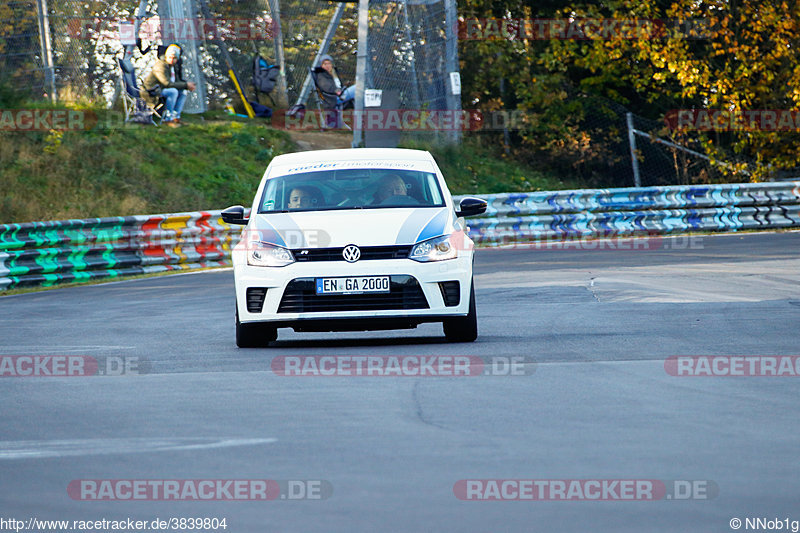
(212, 161)
(134, 169)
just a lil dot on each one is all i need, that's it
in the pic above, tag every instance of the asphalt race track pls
(596, 324)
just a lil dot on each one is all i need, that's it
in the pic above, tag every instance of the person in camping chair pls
(329, 84)
(167, 75)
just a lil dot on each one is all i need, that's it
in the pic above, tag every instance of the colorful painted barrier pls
(529, 217)
(47, 253)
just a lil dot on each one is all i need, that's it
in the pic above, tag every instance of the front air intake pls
(255, 299)
(451, 293)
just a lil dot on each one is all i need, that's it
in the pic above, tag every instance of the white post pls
(451, 63)
(361, 70)
(46, 47)
(632, 141)
(178, 15)
(277, 41)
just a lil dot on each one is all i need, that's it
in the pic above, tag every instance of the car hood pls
(362, 227)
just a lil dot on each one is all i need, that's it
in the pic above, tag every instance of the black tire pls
(253, 335)
(463, 329)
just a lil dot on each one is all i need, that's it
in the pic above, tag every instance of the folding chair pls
(136, 109)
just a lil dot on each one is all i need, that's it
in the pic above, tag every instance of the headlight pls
(267, 255)
(438, 249)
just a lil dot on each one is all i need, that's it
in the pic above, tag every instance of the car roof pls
(352, 154)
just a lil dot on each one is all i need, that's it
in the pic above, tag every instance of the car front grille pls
(368, 253)
(300, 296)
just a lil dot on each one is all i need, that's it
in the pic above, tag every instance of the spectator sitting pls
(167, 74)
(329, 83)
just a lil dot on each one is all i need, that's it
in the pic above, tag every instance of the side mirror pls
(470, 207)
(234, 215)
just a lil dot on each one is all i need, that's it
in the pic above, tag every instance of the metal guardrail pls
(538, 216)
(47, 253)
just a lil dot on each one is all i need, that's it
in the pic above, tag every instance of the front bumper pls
(428, 276)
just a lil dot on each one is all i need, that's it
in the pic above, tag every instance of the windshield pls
(351, 189)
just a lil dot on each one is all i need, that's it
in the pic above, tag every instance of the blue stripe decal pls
(269, 234)
(410, 229)
(296, 238)
(435, 227)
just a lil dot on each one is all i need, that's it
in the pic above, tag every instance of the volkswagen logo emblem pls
(351, 253)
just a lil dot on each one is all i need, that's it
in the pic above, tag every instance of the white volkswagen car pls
(353, 240)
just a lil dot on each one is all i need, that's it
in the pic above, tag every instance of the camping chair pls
(136, 109)
(328, 118)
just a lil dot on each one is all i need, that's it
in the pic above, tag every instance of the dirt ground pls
(322, 140)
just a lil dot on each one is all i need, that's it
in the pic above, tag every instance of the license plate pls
(353, 285)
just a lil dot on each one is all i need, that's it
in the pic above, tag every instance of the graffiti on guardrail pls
(604, 213)
(47, 253)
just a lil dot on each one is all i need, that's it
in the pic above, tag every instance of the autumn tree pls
(718, 55)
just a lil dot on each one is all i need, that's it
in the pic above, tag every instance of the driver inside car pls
(305, 197)
(390, 185)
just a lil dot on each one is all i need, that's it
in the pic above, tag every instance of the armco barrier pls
(529, 217)
(46, 253)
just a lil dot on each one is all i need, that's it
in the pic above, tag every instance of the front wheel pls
(463, 329)
(253, 335)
